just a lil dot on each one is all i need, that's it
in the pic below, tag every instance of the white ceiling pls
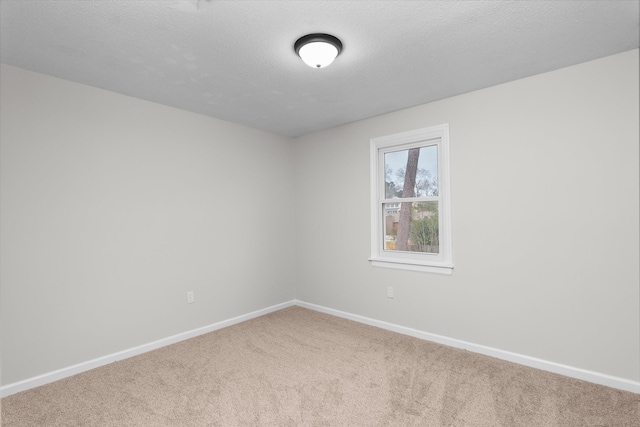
(234, 60)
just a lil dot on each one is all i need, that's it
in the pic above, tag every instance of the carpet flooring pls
(298, 367)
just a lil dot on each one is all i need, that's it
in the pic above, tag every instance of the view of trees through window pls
(412, 225)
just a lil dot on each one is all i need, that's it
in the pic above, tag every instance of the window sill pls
(408, 265)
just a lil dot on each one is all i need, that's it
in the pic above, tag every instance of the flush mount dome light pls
(318, 50)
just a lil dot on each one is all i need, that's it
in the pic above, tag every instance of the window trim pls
(440, 263)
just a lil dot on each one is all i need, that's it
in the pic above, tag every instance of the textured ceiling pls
(234, 59)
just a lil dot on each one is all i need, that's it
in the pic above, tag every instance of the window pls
(410, 201)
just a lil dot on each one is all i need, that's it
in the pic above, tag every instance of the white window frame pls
(442, 262)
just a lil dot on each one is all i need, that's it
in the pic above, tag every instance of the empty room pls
(319, 213)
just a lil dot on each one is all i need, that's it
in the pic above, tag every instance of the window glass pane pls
(422, 179)
(411, 227)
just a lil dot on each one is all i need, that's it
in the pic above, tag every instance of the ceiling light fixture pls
(318, 50)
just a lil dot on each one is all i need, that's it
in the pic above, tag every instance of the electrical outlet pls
(390, 292)
(190, 297)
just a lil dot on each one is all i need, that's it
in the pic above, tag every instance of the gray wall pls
(545, 219)
(113, 208)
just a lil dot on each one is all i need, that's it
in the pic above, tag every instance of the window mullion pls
(411, 199)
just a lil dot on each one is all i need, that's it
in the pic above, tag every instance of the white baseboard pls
(568, 371)
(50, 377)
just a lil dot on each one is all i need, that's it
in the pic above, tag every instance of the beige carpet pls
(297, 367)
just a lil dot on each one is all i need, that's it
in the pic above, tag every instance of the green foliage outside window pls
(423, 232)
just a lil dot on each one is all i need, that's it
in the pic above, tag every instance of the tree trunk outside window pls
(404, 222)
